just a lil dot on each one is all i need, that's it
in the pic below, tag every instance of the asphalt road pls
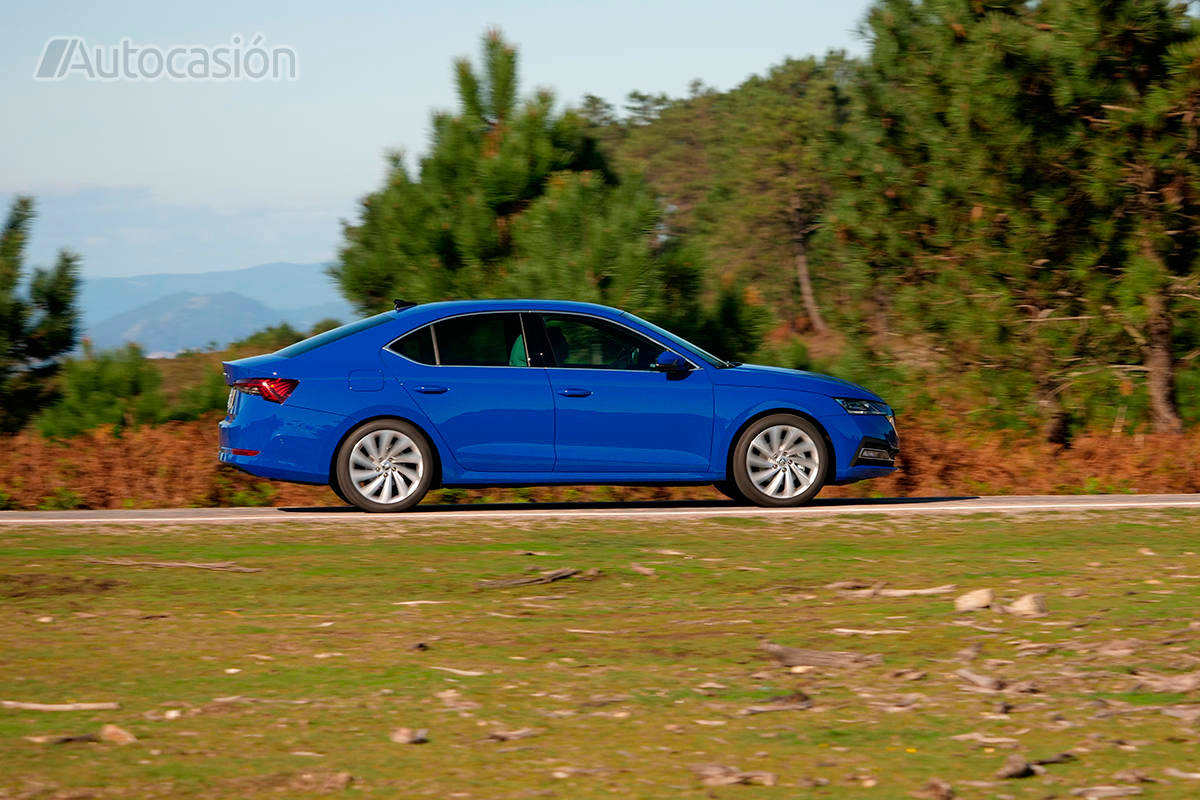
(899, 506)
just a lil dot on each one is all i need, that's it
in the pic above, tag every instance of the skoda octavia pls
(532, 392)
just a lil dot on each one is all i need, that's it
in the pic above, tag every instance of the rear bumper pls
(293, 444)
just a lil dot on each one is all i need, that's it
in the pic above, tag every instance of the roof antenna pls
(402, 304)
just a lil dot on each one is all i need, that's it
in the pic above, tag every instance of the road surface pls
(900, 506)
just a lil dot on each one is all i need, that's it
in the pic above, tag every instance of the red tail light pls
(276, 390)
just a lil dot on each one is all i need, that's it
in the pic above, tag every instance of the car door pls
(471, 377)
(613, 413)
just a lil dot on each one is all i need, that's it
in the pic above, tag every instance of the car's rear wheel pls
(337, 489)
(780, 460)
(730, 490)
(385, 465)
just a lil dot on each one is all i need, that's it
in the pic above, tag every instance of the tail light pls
(275, 390)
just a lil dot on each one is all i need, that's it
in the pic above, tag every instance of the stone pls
(114, 735)
(975, 601)
(1030, 605)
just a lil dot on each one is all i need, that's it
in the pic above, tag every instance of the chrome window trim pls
(518, 312)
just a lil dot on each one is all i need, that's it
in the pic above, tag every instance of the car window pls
(481, 340)
(591, 343)
(417, 346)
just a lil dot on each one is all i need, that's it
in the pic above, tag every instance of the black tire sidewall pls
(741, 477)
(351, 493)
(730, 490)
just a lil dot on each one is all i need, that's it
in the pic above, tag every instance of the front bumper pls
(850, 435)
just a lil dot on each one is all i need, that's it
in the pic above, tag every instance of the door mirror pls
(670, 362)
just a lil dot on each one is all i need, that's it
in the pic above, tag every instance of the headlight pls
(864, 406)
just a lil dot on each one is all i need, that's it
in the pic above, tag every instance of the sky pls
(193, 176)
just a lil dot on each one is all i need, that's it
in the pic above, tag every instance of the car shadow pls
(634, 505)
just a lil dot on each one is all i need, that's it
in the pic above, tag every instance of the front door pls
(612, 412)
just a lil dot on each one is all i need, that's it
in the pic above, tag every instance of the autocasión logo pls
(72, 57)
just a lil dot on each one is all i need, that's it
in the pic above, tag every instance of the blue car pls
(537, 392)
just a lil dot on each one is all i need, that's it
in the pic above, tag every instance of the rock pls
(410, 736)
(975, 601)
(1016, 767)
(640, 570)
(982, 681)
(1133, 776)
(720, 775)
(114, 735)
(935, 789)
(1030, 605)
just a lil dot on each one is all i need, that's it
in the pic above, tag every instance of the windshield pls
(678, 340)
(313, 342)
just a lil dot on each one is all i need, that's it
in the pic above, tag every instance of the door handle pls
(431, 389)
(575, 392)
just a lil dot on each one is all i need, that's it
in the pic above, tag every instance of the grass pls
(629, 680)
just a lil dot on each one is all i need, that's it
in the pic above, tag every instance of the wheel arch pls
(831, 467)
(437, 455)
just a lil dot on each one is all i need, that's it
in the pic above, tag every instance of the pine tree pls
(37, 330)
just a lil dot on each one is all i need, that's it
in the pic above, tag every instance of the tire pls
(780, 460)
(337, 489)
(385, 465)
(730, 490)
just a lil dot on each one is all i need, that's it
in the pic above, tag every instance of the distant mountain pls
(168, 313)
(280, 286)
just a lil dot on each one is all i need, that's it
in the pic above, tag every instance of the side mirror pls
(670, 362)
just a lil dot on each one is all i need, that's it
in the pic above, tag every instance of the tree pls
(1018, 188)
(37, 330)
(447, 232)
(515, 199)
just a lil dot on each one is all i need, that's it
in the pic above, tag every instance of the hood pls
(762, 377)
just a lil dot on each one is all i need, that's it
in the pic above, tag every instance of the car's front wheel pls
(780, 460)
(385, 465)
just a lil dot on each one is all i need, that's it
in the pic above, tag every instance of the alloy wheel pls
(386, 466)
(782, 461)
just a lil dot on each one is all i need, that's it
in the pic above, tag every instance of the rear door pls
(471, 377)
(615, 414)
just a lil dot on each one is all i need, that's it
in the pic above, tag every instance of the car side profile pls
(539, 392)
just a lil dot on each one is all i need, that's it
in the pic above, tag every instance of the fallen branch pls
(800, 657)
(59, 706)
(219, 566)
(529, 580)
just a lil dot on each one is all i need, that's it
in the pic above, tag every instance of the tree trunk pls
(1160, 366)
(806, 290)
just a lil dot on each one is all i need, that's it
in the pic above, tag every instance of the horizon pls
(167, 177)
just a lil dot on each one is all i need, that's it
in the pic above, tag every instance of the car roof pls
(445, 308)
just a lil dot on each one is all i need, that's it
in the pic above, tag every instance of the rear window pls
(322, 339)
(416, 346)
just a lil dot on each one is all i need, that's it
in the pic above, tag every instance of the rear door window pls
(481, 340)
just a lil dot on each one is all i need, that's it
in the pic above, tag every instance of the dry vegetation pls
(175, 465)
(426, 658)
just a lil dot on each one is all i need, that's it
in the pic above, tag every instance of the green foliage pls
(1017, 192)
(35, 331)
(116, 387)
(63, 499)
